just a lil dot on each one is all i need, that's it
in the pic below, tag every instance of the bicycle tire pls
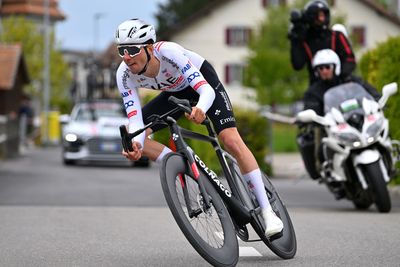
(284, 246)
(224, 253)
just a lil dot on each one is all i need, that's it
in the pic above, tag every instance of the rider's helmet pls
(135, 31)
(327, 57)
(311, 10)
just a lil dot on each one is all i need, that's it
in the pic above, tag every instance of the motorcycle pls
(356, 154)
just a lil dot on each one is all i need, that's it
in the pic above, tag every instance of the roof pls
(193, 18)
(11, 61)
(181, 25)
(382, 11)
(31, 7)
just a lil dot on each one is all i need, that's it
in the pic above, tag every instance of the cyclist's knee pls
(231, 140)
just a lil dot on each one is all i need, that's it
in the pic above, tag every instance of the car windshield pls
(93, 111)
(346, 97)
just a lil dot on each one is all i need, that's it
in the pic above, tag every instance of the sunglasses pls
(132, 50)
(325, 66)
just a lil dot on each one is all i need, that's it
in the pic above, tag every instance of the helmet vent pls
(143, 35)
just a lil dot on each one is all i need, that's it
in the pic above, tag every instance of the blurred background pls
(57, 53)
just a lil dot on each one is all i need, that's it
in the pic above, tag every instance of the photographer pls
(310, 33)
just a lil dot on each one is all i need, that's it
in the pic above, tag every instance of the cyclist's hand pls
(197, 115)
(136, 154)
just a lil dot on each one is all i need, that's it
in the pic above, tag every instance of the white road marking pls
(249, 252)
(243, 251)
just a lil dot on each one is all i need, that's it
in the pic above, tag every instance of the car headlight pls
(71, 137)
(375, 128)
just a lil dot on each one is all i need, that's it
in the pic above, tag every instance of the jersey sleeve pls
(192, 74)
(131, 100)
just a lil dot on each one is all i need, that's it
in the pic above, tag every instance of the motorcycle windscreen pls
(347, 98)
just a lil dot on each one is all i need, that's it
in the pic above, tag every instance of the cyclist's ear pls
(150, 48)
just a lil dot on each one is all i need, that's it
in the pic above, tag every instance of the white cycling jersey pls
(179, 69)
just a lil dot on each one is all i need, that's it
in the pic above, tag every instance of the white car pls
(91, 133)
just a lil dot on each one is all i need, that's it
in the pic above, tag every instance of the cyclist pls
(168, 67)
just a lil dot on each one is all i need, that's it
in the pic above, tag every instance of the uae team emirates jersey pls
(179, 69)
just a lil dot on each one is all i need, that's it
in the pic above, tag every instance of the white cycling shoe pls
(273, 222)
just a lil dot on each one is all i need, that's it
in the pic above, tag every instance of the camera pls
(299, 27)
(296, 16)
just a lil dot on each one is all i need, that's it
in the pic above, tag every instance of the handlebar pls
(126, 138)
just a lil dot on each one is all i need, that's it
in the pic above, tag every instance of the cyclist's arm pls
(131, 101)
(193, 75)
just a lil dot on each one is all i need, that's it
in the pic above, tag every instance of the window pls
(234, 73)
(358, 35)
(237, 36)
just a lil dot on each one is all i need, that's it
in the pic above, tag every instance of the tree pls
(269, 70)
(174, 12)
(380, 66)
(20, 30)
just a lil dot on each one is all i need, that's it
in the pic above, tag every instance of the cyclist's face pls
(135, 63)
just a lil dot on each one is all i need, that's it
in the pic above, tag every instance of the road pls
(52, 215)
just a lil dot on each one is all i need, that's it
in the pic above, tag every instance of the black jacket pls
(314, 96)
(302, 52)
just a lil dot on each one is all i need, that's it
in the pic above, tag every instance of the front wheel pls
(378, 186)
(209, 230)
(284, 246)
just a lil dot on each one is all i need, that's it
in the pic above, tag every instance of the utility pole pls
(1, 24)
(46, 73)
(96, 17)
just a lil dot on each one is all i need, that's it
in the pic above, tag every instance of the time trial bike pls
(210, 211)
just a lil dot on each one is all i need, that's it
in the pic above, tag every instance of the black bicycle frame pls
(240, 211)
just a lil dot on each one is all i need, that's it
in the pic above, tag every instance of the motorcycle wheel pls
(378, 187)
(363, 201)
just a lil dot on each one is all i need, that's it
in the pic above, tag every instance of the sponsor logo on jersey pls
(171, 83)
(170, 62)
(197, 85)
(125, 77)
(226, 120)
(125, 94)
(186, 68)
(132, 113)
(193, 76)
(226, 100)
(128, 104)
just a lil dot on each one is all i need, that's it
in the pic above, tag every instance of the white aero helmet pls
(135, 31)
(326, 57)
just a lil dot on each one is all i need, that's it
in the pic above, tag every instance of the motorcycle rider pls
(326, 66)
(173, 70)
(310, 33)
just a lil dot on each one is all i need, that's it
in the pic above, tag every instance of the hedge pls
(380, 66)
